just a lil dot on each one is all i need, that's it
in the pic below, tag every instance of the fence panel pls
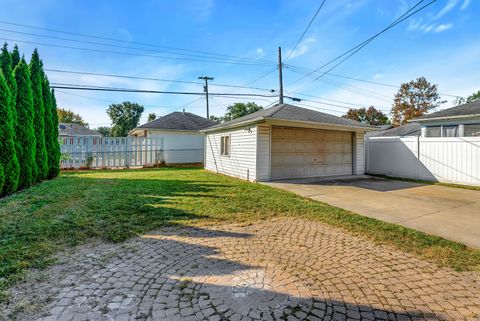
(111, 152)
(446, 159)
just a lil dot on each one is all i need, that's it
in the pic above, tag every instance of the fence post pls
(418, 157)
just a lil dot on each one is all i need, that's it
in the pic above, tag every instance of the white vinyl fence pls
(110, 152)
(446, 159)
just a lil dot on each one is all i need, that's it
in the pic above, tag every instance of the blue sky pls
(440, 43)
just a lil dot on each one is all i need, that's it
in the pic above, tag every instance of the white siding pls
(359, 157)
(449, 160)
(180, 147)
(263, 152)
(241, 162)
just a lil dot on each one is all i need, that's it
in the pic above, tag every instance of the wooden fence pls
(110, 152)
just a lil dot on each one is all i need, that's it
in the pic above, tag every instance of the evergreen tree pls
(8, 154)
(50, 138)
(24, 128)
(12, 169)
(55, 159)
(36, 79)
(15, 57)
(2, 178)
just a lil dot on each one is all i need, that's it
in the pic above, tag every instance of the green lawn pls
(116, 205)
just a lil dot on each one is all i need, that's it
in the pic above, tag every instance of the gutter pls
(239, 124)
(442, 118)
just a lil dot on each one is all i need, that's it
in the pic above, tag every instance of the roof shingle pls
(179, 121)
(468, 109)
(292, 113)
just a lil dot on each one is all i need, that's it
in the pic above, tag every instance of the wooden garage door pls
(301, 152)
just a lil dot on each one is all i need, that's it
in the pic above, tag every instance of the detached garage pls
(285, 142)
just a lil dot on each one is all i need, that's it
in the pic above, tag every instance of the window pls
(434, 131)
(225, 145)
(472, 130)
(450, 131)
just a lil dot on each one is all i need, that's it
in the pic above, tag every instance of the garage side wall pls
(241, 162)
(263, 152)
(359, 157)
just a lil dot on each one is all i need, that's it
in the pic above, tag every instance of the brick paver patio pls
(277, 270)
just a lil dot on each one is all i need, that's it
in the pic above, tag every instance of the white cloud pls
(465, 5)
(302, 48)
(442, 27)
(451, 4)
(377, 76)
(260, 53)
(125, 34)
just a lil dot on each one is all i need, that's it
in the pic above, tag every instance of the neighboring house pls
(410, 129)
(182, 142)
(284, 142)
(459, 121)
(75, 130)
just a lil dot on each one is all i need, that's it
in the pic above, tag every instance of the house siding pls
(180, 147)
(263, 152)
(241, 162)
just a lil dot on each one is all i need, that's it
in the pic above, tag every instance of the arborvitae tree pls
(12, 169)
(36, 79)
(8, 154)
(50, 138)
(24, 128)
(15, 57)
(2, 178)
(54, 160)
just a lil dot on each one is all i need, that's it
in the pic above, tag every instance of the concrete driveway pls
(452, 213)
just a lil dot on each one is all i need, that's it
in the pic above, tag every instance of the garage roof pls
(179, 121)
(290, 113)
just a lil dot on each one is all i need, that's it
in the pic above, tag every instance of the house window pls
(472, 130)
(450, 131)
(225, 145)
(434, 131)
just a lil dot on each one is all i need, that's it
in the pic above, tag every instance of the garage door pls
(301, 152)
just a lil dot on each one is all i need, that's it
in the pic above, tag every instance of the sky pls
(236, 42)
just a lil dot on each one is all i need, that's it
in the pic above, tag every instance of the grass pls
(116, 205)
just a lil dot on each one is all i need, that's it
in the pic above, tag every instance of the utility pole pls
(280, 76)
(205, 89)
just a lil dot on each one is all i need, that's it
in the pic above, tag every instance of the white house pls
(182, 141)
(75, 130)
(284, 142)
(459, 121)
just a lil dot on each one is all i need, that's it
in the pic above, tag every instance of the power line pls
(133, 48)
(152, 79)
(129, 53)
(358, 47)
(113, 89)
(292, 68)
(305, 31)
(132, 42)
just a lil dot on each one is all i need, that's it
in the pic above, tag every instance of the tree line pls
(413, 99)
(29, 148)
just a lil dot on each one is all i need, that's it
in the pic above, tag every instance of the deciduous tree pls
(238, 110)
(414, 99)
(151, 116)
(125, 117)
(24, 128)
(105, 131)
(462, 100)
(36, 79)
(69, 117)
(370, 116)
